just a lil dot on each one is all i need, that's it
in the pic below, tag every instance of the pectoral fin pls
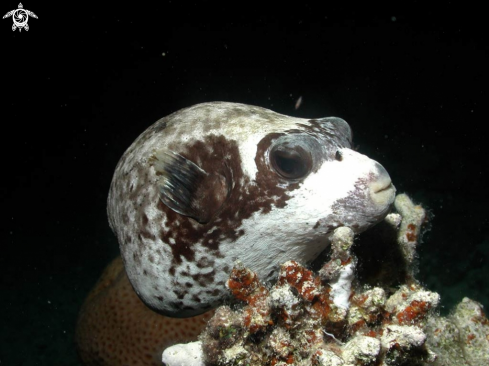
(188, 189)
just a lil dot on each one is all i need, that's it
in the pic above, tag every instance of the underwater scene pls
(194, 184)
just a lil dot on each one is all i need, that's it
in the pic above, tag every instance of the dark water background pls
(85, 81)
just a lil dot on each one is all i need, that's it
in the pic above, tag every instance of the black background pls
(85, 81)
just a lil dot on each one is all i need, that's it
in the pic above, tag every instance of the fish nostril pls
(338, 156)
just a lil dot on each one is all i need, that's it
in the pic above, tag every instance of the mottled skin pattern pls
(218, 182)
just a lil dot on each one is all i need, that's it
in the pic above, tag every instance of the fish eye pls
(291, 162)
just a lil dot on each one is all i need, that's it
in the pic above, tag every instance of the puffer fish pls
(219, 182)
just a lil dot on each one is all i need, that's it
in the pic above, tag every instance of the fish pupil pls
(289, 164)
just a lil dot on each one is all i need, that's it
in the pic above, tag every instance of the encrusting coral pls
(343, 315)
(115, 327)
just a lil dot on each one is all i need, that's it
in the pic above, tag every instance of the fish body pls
(219, 182)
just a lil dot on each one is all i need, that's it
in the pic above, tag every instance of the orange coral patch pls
(115, 328)
(415, 311)
(301, 279)
(411, 234)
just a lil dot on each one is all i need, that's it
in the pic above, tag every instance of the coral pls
(115, 328)
(413, 216)
(337, 317)
(463, 337)
(184, 354)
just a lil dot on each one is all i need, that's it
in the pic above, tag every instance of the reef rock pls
(338, 317)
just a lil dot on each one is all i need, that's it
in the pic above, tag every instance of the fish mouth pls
(382, 192)
(386, 187)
